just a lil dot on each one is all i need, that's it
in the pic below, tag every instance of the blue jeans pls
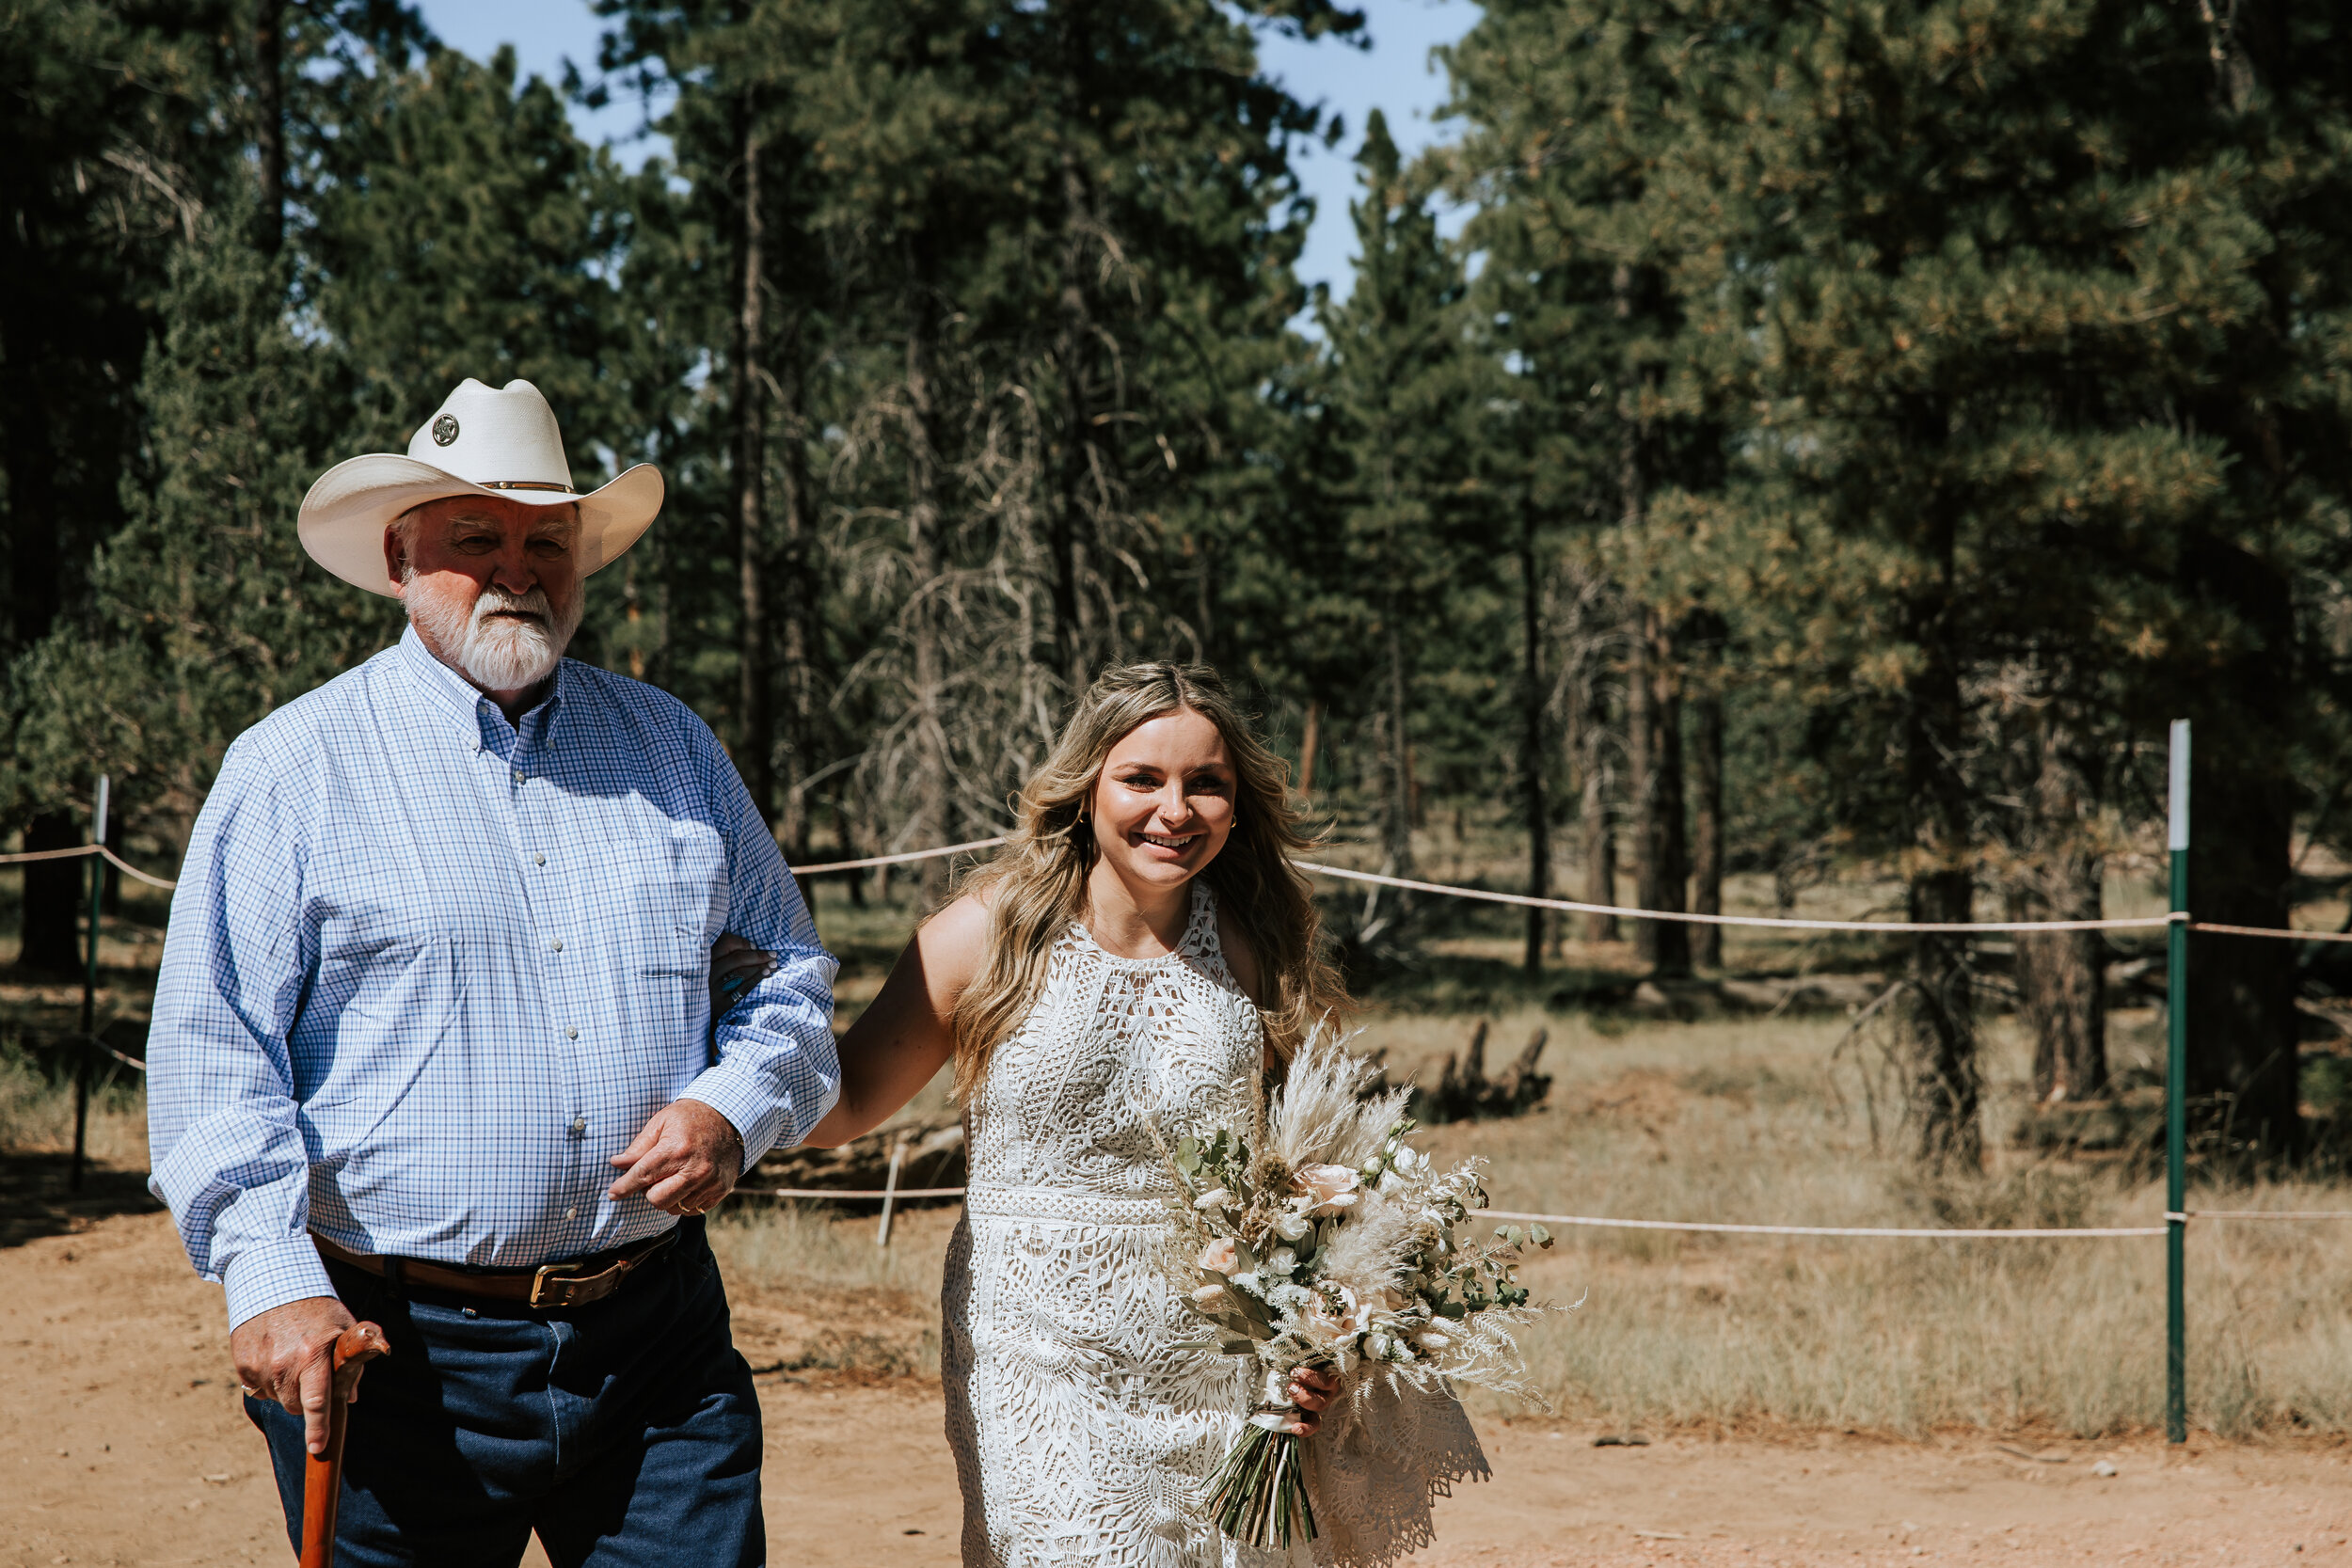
(625, 1432)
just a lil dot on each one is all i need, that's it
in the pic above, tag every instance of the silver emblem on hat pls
(445, 430)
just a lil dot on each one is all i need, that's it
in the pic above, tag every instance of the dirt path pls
(121, 1441)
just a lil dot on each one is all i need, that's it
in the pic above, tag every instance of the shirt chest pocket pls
(662, 899)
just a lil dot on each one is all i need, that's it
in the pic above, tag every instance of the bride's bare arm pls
(901, 1040)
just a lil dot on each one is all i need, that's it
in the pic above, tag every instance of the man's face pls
(491, 585)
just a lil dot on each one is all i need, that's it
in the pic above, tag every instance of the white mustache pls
(494, 600)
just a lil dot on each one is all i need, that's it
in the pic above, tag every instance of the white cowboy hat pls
(481, 442)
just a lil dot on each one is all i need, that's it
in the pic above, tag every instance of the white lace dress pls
(1082, 1431)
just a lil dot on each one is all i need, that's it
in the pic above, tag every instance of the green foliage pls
(205, 612)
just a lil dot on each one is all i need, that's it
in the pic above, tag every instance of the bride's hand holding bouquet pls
(1323, 1245)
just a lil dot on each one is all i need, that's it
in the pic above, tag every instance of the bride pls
(1131, 964)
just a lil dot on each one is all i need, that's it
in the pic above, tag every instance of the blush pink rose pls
(1331, 1188)
(1219, 1255)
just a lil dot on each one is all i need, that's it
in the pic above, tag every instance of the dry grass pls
(37, 1112)
(1744, 1122)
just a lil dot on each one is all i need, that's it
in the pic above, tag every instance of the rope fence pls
(901, 859)
(1570, 906)
(2137, 922)
(1921, 1233)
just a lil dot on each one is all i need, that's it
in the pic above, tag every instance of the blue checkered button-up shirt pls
(427, 971)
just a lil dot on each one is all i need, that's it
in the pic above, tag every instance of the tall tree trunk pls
(1309, 743)
(2061, 975)
(752, 684)
(1654, 729)
(633, 616)
(926, 566)
(1706, 639)
(1653, 712)
(28, 452)
(1532, 747)
(1588, 756)
(1204, 601)
(1397, 815)
(1080, 500)
(53, 894)
(802, 603)
(269, 130)
(2242, 1044)
(2060, 984)
(1938, 1011)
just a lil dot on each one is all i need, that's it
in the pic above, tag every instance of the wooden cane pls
(323, 1475)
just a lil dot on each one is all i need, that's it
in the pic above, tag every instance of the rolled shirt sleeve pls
(226, 1149)
(777, 1071)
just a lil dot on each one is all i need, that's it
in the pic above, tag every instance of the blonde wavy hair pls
(1037, 884)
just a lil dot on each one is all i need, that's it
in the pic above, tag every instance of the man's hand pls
(287, 1354)
(686, 1160)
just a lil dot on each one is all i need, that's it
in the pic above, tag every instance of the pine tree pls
(1395, 401)
(1982, 271)
(1571, 109)
(206, 613)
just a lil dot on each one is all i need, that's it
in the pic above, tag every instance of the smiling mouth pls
(1163, 841)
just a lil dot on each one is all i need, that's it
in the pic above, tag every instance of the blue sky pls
(1395, 76)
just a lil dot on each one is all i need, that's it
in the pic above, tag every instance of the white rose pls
(1292, 1226)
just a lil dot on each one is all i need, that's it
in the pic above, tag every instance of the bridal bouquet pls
(1317, 1237)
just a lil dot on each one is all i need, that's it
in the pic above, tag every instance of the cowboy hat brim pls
(343, 516)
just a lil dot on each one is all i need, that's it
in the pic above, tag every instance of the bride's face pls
(1163, 805)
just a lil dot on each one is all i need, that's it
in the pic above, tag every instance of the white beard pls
(497, 656)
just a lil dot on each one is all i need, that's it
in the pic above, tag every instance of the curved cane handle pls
(323, 1475)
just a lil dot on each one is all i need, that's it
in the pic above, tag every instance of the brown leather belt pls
(574, 1282)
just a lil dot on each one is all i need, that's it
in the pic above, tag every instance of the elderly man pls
(433, 1043)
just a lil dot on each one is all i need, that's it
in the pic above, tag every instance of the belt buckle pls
(571, 1278)
(564, 1274)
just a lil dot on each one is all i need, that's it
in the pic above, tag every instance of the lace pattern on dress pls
(1083, 1416)
(1082, 1421)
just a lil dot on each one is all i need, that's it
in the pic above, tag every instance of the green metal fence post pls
(2176, 1102)
(89, 990)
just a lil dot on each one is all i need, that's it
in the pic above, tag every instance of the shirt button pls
(556, 946)
(538, 860)
(580, 1125)
(571, 1034)
(519, 777)
(571, 1213)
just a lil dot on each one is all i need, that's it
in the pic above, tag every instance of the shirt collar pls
(465, 701)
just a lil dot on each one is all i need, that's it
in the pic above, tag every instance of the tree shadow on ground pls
(36, 1200)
